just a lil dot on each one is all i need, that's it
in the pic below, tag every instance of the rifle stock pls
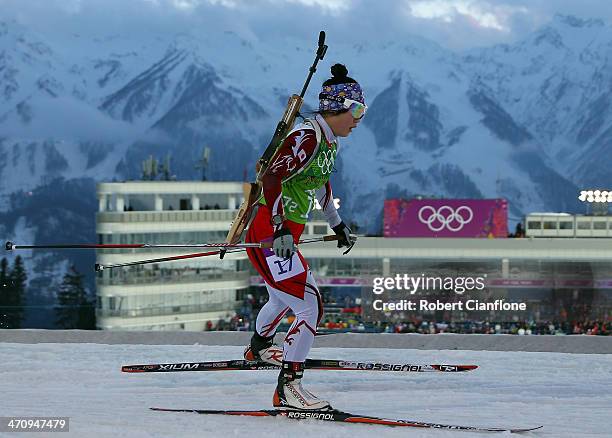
(251, 193)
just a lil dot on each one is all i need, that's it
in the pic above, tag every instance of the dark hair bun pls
(339, 71)
(339, 76)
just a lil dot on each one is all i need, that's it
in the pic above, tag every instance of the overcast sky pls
(455, 24)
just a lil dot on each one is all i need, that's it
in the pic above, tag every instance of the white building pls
(181, 295)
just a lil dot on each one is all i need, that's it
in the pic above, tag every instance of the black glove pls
(283, 245)
(345, 237)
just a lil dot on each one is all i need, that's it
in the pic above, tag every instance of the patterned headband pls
(350, 91)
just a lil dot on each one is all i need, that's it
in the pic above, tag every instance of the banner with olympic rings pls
(446, 218)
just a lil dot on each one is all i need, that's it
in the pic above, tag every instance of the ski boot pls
(263, 349)
(290, 394)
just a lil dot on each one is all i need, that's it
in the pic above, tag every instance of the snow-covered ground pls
(570, 394)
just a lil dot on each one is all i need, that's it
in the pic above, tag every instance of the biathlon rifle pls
(253, 191)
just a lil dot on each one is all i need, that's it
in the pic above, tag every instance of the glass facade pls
(339, 267)
(166, 304)
(194, 292)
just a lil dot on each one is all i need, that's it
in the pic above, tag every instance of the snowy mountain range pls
(530, 122)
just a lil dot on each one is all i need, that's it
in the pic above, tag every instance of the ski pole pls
(9, 246)
(100, 267)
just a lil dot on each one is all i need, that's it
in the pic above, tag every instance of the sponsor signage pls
(446, 218)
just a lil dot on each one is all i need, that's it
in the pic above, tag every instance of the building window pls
(599, 225)
(534, 225)
(549, 225)
(566, 225)
(583, 225)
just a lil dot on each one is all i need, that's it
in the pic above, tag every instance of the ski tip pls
(454, 368)
(527, 429)
(9, 246)
(98, 267)
(172, 410)
(458, 367)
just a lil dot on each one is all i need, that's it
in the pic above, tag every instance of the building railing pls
(177, 276)
(167, 216)
(164, 311)
(333, 271)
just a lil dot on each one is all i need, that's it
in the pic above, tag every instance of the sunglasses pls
(356, 108)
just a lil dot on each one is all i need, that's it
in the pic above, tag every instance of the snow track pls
(570, 394)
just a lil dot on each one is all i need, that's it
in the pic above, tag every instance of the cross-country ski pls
(311, 364)
(345, 417)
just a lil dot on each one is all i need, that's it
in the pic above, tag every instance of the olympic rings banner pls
(446, 218)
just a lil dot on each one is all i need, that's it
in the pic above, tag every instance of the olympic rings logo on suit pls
(328, 162)
(446, 215)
